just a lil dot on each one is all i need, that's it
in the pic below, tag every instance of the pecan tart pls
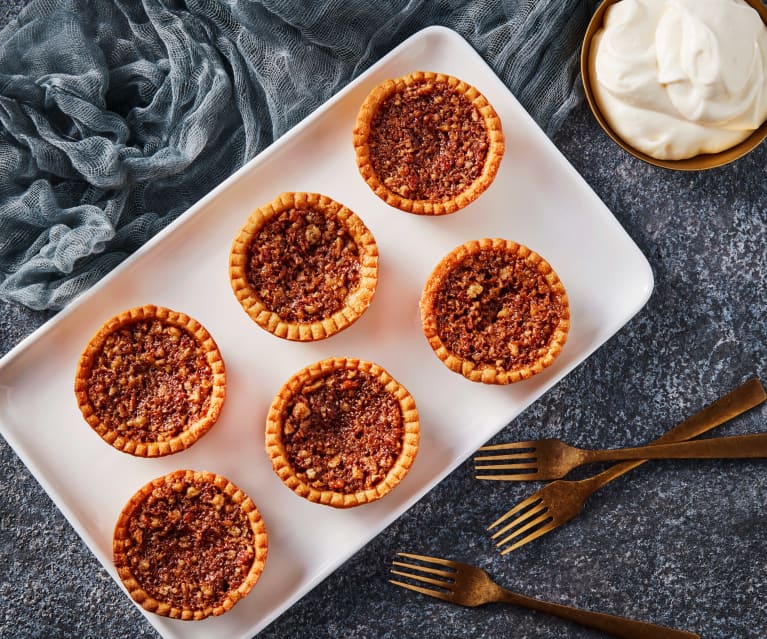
(342, 432)
(428, 143)
(495, 311)
(304, 266)
(189, 545)
(151, 381)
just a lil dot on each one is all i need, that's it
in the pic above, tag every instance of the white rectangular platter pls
(537, 199)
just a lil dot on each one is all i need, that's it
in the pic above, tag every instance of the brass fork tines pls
(522, 460)
(444, 585)
(468, 585)
(547, 509)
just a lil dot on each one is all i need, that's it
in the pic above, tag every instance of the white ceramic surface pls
(537, 199)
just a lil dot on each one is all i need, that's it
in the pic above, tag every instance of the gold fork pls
(560, 501)
(471, 586)
(553, 458)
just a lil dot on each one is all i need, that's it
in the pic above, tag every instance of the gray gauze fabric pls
(116, 116)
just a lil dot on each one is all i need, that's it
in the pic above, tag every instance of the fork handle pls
(743, 398)
(611, 624)
(737, 447)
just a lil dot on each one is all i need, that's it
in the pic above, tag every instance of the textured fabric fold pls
(117, 116)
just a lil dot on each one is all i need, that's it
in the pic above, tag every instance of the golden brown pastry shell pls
(190, 434)
(362, 129)
(357, 301)
(469, 369)
(121, 542)
(274, 433)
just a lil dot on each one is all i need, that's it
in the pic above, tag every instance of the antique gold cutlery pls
(560, 501)
(553, 459)
(467, 585)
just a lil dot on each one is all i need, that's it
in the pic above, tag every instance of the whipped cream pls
(676, 78)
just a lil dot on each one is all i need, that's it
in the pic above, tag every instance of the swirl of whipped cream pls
(676, 78)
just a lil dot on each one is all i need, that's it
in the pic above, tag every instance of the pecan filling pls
(496, 309)
(343, 432)
(150, 381)
(303, 264)
(428, 142)
(189, 544)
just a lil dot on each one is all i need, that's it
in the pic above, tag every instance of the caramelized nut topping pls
(189, 545)
(150, 381)
(185, 551)
(344, 432)
(303, 264)
(428, 142)
(496, 308)
(495, 312)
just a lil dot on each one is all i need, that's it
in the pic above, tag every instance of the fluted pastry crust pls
(151, 381)
(342, 432)
(495, 311)
(428, 143)
(304, 266)
(189, 544)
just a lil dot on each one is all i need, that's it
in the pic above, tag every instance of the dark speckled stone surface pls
(677, 543)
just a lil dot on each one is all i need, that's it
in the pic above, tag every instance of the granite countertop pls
(680, 543)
